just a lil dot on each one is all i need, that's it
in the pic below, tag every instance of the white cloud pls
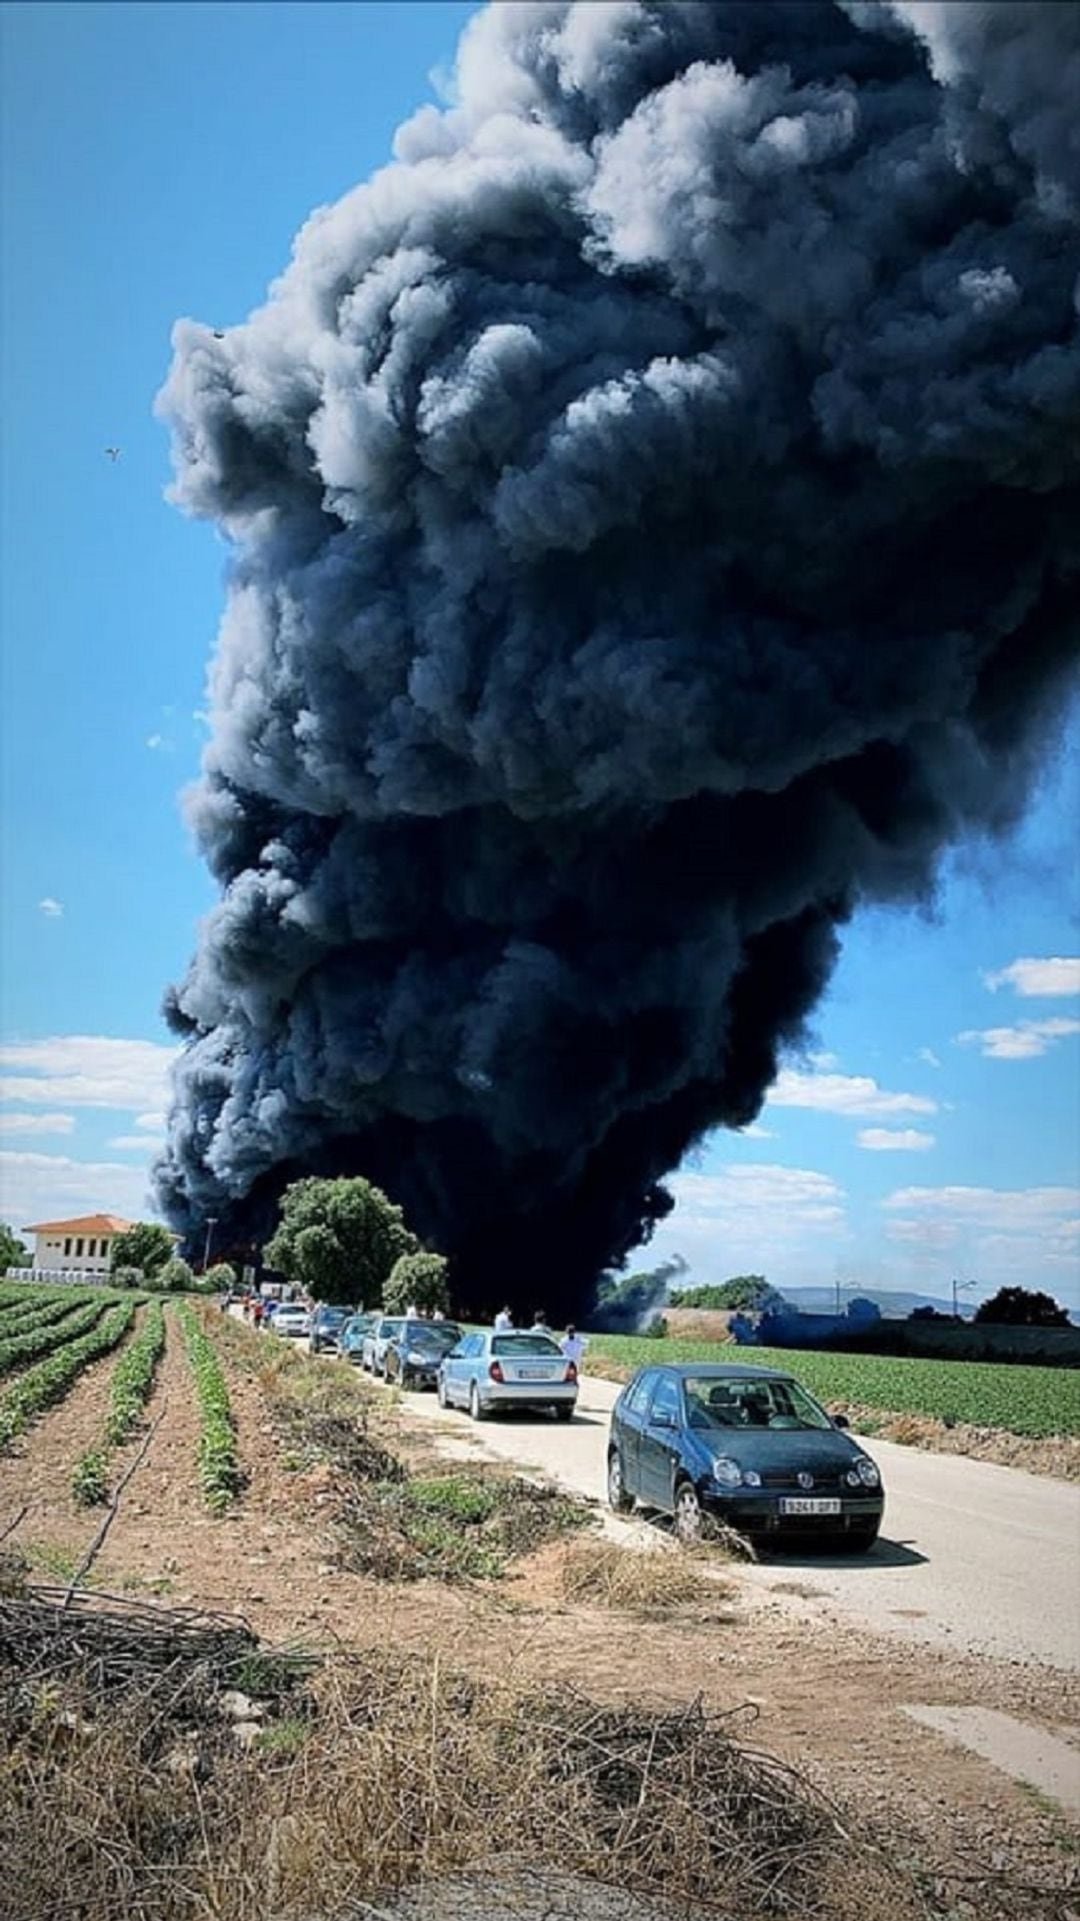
(856, 1095)
(153, 1123)
(37, 1123)
(137, 1143)
(1031, 979)
(760, 1197)
(1003, 1235)
(1021, 1210)
(755, 1132)
(886, 1140)
(42, 1187)
(52, 909)
(83, 1070)
(928, 1055)
(1027, 1041)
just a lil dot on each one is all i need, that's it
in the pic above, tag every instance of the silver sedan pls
(487, 1372)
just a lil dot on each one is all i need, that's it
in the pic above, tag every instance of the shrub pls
(174, 1278)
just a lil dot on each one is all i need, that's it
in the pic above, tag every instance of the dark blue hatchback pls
(747, 1444)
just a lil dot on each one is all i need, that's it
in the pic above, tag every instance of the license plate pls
(809, 1505)
(535, 1374)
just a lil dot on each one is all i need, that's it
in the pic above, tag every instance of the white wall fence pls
(67, 1276)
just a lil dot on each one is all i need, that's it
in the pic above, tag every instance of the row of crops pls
(54, 1337)
(48, 1380)
(1032, 1401)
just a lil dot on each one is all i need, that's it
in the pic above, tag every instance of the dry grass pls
(636, 1581)
(123, 1796)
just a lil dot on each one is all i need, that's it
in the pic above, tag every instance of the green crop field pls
(1022, 1400)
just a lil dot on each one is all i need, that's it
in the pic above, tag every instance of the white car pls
(488, 1372)
(292, 1321)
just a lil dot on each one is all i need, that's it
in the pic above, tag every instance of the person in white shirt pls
(573, 1347)
(412, 1312)
(503, 1320)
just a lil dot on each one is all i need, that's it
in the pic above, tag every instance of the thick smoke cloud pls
(652, 503)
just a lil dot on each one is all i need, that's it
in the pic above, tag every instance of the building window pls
(67, 1245)
(78, 1248)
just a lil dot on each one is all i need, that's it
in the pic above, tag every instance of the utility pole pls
(958, 1287)
(211, 1223)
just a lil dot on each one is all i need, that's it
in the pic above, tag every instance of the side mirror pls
(454, 1354)
(840, 1420)
(663, 1418)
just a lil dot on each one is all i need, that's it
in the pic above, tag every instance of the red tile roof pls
(86, 1224)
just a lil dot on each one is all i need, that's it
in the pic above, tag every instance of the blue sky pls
(157, 162)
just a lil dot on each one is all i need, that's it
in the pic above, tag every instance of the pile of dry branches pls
(125, 1789)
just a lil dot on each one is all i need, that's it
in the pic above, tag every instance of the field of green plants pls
(1022, 1400)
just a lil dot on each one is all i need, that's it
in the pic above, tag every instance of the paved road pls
(978, 1558)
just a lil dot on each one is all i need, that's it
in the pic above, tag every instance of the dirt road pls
(973, 1557)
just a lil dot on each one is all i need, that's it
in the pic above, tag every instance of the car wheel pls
(564, 1410)
(619, 1497)
(688, 1515)
(475, 1408)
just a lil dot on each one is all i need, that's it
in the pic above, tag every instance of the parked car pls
(748, 1444)
(352, 1337)
(485, 1372)
(326, 1326)
(292, 1320)
(378, 1338)
(412, 1358)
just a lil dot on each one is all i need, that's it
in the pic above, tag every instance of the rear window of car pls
(524, 1344)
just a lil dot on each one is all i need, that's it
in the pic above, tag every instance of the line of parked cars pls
(746, 1444)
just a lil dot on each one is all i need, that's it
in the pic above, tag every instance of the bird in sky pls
(113, 453)
(218, 334)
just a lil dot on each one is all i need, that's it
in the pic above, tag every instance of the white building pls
(82, 1246)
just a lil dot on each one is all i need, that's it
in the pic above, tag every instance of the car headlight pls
(867, 1472)
(727, 1472)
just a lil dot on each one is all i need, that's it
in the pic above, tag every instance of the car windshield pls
(728, 1401)
(387, 1329)
(525, 1344)
(334, 1314)
(442, 1334)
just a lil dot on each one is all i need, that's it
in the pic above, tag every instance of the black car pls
(413, 1356)
(326, 1325)
(747, 1444)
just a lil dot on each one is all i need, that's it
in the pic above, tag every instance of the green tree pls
(174, 1278)
(146, 1245)
(1022, 1307)
(417, 1280)
(339, 1239)
(13, 1252)
(750, 1292)
(218, 1279)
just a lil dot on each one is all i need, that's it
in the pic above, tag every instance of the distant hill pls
(895, 1305)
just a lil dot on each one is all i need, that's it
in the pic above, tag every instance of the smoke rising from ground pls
(652, 502)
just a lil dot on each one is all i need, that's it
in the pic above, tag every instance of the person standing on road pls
(503, 1320)
(540, 1322)
(573, 1347)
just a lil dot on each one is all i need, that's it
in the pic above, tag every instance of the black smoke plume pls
(653, 512)
(624, 1306)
